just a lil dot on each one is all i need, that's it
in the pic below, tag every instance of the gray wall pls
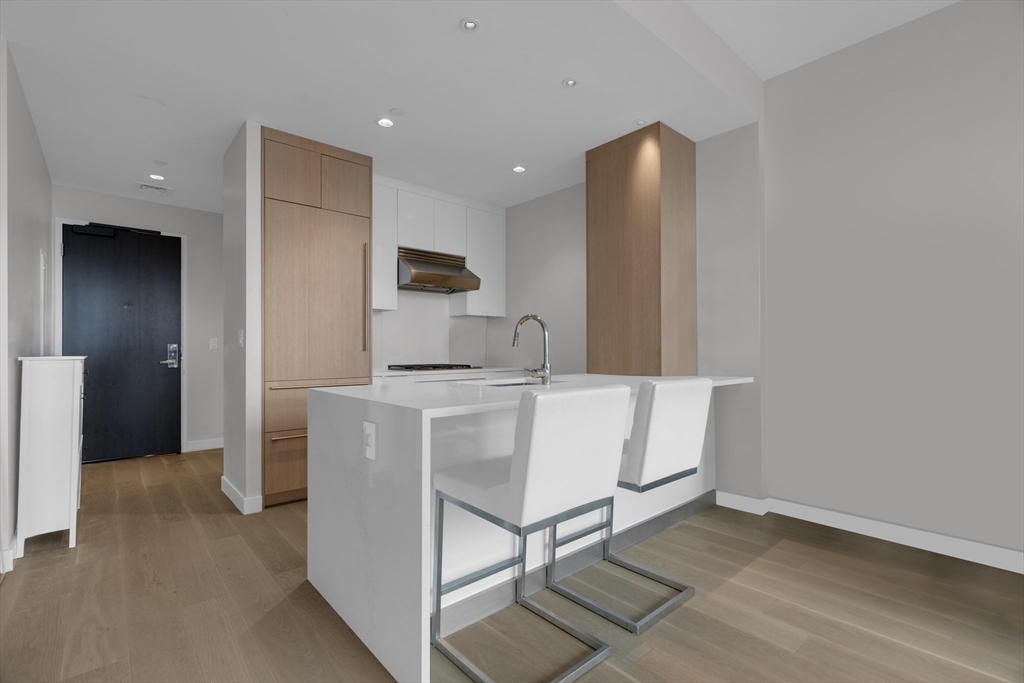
(728, 300)
(27, 194)
(895, 281)
(204, 294)
(546, 274)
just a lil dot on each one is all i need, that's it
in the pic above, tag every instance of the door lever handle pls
(166, 362)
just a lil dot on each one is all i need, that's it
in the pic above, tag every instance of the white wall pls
(895, 281)
(546, 274)
(25, 300)
(728, 299)
(204, 293)
(242, 312)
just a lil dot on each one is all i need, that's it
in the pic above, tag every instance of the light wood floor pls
(170, 583)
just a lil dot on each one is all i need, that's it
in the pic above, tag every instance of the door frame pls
(58, 310)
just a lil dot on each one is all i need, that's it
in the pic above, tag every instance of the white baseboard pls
(204, 445)
(973, 551)
(246, 506)
(7, 559)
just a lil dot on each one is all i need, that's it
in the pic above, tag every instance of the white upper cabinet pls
(485, 256)
(385, 248)
(449, 228)
(415, 221)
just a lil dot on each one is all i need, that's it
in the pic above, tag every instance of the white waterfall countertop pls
(438, 399)
(371, 456)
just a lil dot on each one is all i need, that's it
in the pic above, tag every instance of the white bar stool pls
(665, 445)
(564, 464)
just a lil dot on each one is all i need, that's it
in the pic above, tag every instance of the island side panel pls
(369, 526)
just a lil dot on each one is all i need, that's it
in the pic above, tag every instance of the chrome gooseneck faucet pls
(543, 373)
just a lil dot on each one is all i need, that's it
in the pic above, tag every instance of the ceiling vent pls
(149, 188)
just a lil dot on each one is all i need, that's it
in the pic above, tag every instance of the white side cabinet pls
(485, 256)
(50, 457)
(415, 221)
(449, 228)
(385, 248)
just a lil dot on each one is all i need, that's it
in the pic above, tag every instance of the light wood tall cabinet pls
(317, 275)
(642, 254)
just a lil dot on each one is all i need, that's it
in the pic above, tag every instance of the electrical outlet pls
(213, 342)
(370, 440)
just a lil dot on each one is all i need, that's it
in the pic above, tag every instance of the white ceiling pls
(114, 85)
(775, 36)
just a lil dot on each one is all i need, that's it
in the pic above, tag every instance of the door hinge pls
(61, 248)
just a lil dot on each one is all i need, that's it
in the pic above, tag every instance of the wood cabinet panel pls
(316, 288)
(291, 174)
(623, 263)
(339, 324)
(641, 255)
(284, 463)
(345, 186)
(287, 231)
(284, 403)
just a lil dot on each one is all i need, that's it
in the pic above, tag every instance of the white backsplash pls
(420, 331)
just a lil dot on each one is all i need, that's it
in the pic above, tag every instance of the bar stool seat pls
(483, 484)
(564, 464)
(664, 445)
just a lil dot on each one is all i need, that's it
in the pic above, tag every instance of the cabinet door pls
(415, 221)
(345, 186)
(291, 174)
(385, 248)
(449, 228)
(485, 256)
(339, 305)
(287, 232)
(284, 466)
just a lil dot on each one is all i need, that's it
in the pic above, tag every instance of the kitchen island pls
(372, 453)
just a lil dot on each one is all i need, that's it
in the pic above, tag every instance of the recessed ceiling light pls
(570, 83)
(639, 122)
(159, 162)
(154, 176)
(468, 24)
(518, 169)
(397, 112)
(385, 123)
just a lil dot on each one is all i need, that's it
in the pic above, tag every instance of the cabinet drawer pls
(291, 174)
(284, 462)
(345, 186)
(284, 403)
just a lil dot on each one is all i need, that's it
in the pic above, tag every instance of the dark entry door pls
(122, 308)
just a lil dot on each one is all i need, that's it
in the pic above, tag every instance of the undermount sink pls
(517, 382)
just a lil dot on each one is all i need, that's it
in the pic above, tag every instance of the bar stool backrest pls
(669, 422)
(567, 450)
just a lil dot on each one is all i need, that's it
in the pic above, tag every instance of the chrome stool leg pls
(601, 649)
(636, 627)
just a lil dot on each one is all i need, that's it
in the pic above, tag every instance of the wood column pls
(642, 254)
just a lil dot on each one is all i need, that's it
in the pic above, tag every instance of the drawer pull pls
(300, 386)
(282, 438)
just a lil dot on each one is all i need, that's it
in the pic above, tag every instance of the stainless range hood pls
(431, 271)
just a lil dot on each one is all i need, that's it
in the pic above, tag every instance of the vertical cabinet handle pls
(366, 295)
